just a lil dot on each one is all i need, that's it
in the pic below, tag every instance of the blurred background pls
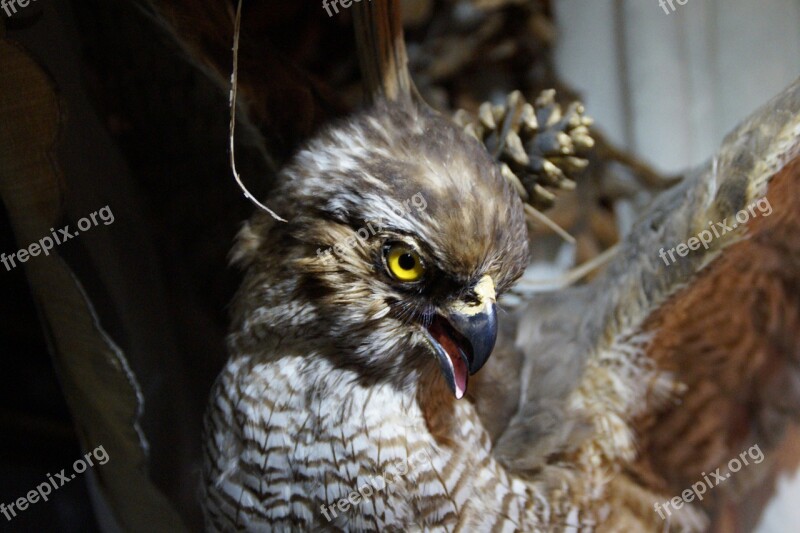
(146, 133)
(695, 72)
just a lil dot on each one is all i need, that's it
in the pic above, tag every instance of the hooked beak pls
(463, 335)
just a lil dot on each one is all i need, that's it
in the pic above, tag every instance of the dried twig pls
(570, 277)
(537, 215)
(234, 79)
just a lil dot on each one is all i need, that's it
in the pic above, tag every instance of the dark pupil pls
(406, 261)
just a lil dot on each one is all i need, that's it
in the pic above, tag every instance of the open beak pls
(463, 336)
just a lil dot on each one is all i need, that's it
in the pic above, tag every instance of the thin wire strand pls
(234, 81)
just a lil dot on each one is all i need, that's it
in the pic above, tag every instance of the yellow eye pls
(404, 263)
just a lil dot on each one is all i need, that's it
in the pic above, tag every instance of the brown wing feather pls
(676, 368)
(733, 337)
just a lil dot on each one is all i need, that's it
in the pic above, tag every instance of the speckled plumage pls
(330, 380)
(330, 383)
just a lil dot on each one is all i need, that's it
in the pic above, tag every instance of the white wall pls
(669, 86)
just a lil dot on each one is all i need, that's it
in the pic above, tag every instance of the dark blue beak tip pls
(480, 332)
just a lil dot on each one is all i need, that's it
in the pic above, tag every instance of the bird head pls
(401, 234)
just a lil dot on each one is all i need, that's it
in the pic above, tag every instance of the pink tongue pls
(459, 368)
(460, 374)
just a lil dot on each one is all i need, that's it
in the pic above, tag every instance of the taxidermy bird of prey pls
(345, 366)
(378, 379)
(363, 323)
(354, 367)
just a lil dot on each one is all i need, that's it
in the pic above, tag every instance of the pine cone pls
(538, 147)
